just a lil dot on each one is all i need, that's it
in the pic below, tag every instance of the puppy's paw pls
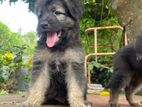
(136, 104)
(88, 104)
(82, 105)
(139, 57)
(114, 105)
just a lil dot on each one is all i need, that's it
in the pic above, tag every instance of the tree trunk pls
(129, 14)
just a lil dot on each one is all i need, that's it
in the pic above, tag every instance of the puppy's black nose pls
(44, 25)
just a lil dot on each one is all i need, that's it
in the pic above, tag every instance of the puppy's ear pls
(31, 5)
(75, 8)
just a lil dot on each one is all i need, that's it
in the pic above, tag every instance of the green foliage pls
(10, 64)
(3, 92)
(98, 13)
(30, 40)
(8, 39)
(12, 53)
(92, 64)
(99, 73)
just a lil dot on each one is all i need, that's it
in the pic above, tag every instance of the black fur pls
(127, 74)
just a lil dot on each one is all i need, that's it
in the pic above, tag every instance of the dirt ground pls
(96, 100)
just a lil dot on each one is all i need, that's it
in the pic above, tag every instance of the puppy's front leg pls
(40, 83)
(76, 86)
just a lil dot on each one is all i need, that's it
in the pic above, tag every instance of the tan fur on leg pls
(75, 93)
(37, 91)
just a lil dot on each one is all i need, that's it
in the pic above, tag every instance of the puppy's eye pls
(56, 13)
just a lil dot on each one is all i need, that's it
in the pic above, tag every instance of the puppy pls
(127, 74)
(57, 73)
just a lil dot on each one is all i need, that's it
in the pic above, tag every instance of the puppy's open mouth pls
(52, 38)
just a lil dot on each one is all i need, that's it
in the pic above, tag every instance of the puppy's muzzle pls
(44, 26)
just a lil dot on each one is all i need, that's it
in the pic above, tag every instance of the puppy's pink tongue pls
(52, 38)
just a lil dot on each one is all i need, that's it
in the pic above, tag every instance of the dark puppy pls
(58, 63)
(127, 74)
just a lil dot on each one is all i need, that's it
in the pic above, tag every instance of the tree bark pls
(129, 14)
